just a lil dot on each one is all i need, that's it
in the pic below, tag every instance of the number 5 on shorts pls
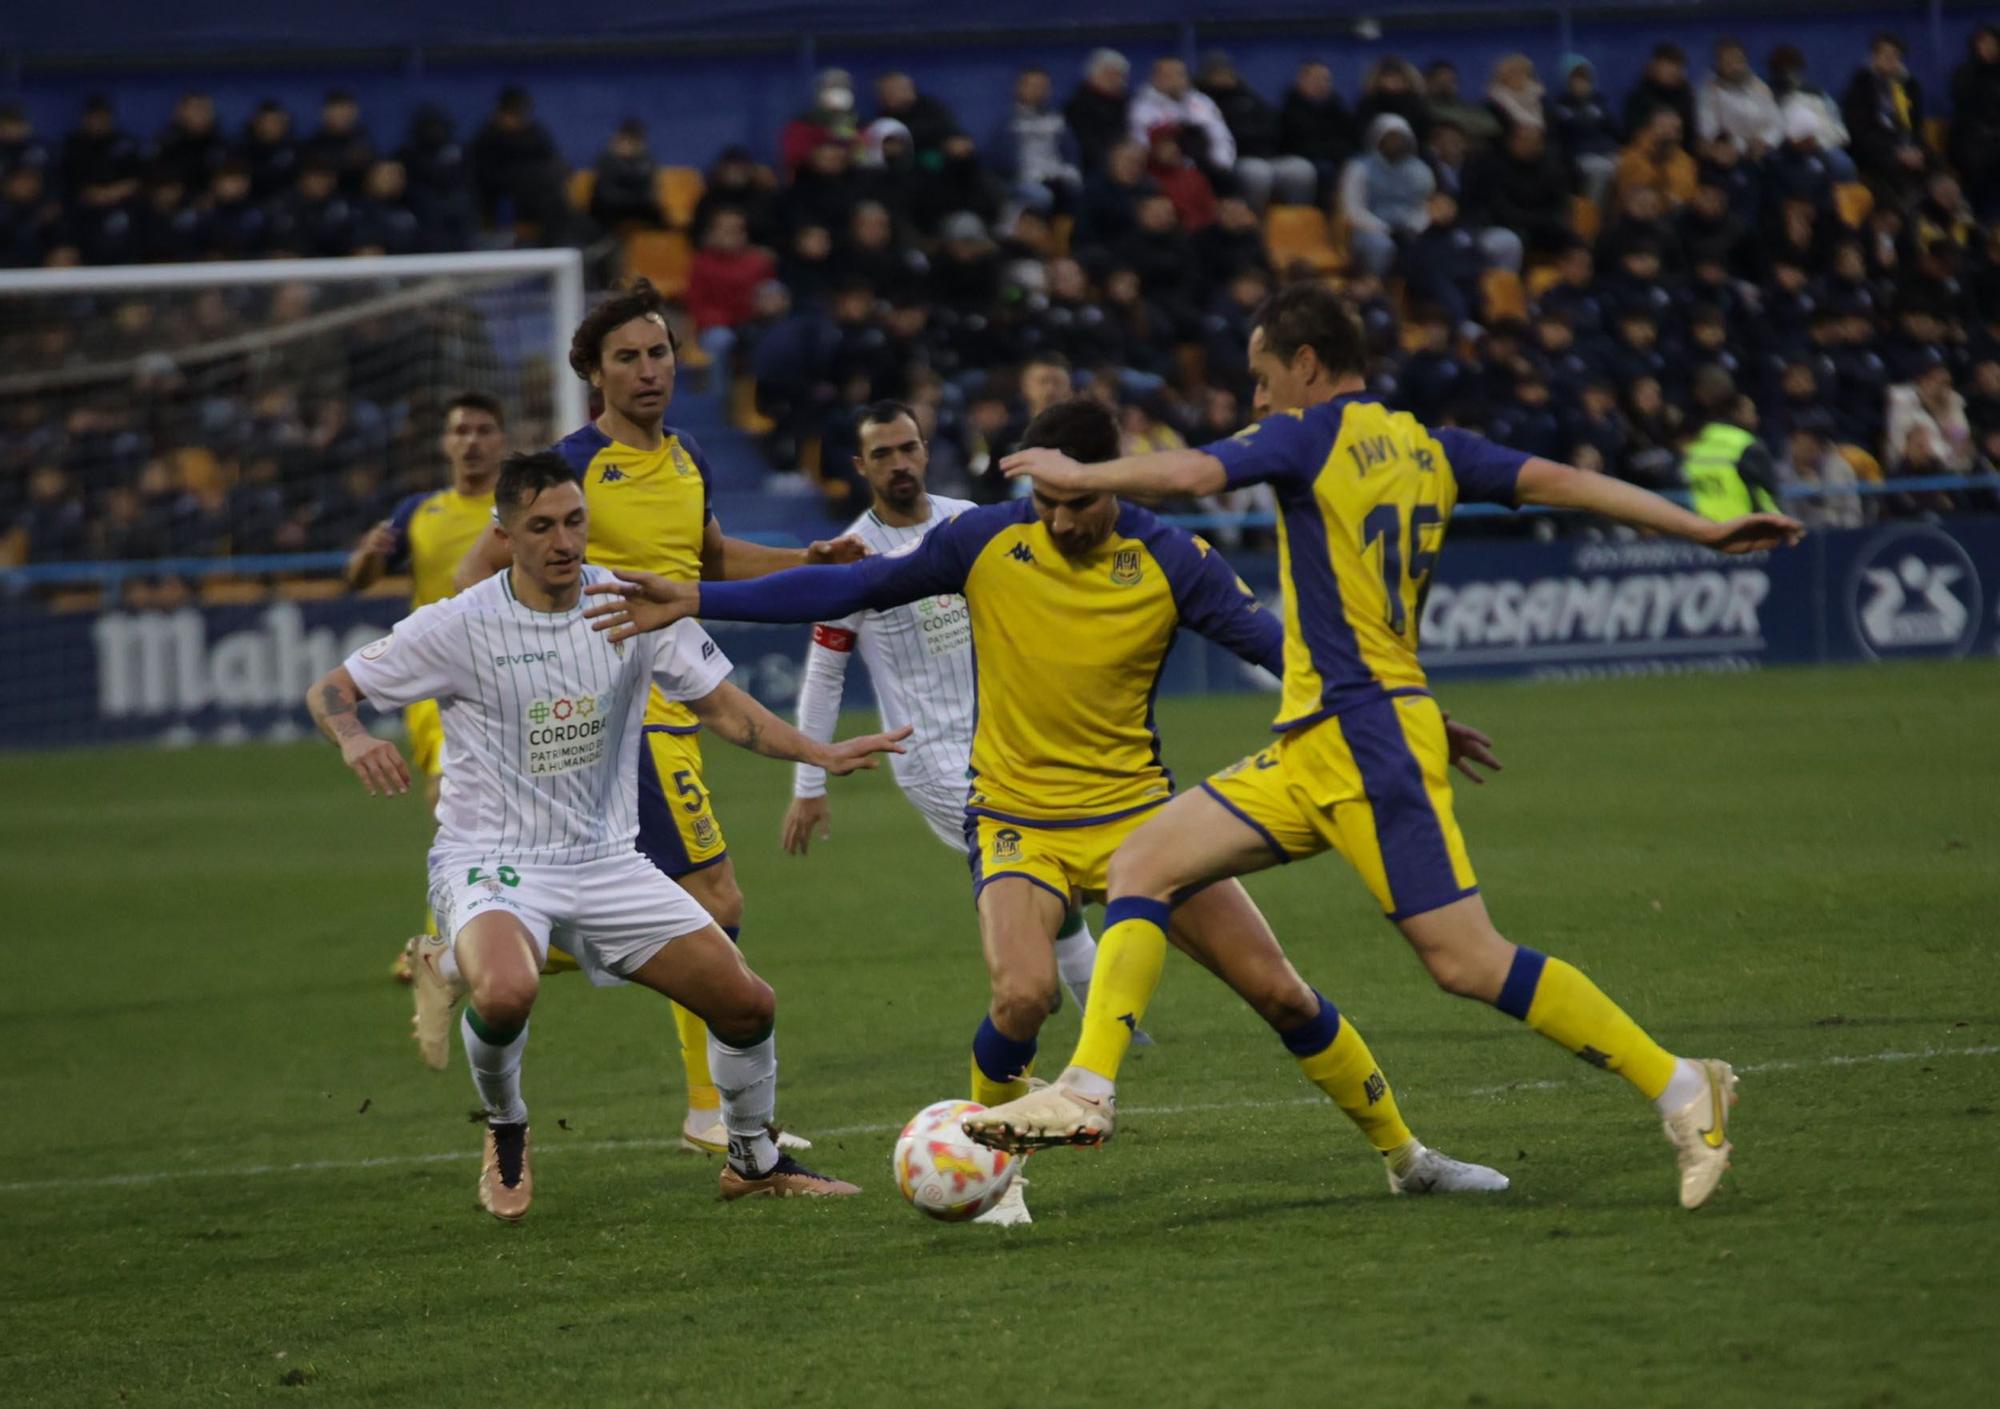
(687, 787)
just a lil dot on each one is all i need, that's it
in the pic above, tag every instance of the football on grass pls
(942, 1172)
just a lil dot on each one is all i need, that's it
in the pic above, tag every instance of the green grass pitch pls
(226, 1179)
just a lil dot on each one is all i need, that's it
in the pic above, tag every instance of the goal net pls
(179, 441)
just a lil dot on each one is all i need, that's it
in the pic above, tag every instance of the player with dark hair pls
(1360, 764)
(1075, 600)
(647, 485)
(428, 533)
(542, 720)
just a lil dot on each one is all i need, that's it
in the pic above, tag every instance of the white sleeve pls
(827, 654)
(1208, 117)
(687, 664)
(1354, 198)
(411, 663)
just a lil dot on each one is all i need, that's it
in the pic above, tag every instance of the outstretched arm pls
(734, 559)
(1563, 487)
(742, 721)
(1167, 474)
(370, 558)
(376, 762)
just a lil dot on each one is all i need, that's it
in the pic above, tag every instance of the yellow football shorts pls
(426, 730)
(1374, 785)
(1067, 859)
(677, 827)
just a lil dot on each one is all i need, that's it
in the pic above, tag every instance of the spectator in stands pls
(965, 276)
(1384, 193)
(1159, 252)
(870, 253)
(1264, 172)
(191, 147)
(237, 223)
(1477, 122)
(1315, 124)
(1655, 425)
(722, 283)
(52, 527)
(1799, 169)
(517, 170)
(1982, 410)
(1736, 104)
(1034, 148)
(1097, 112)
(342, 144)
(807, 267)
(928, 121)
(1720, 161)
(1446, 152)
(1230, 246)
(1177, 177)
(1521, 188)
(100, 161)
(1390, 86)
(1974, 144)
(19, 146)
(314, 219)
(830, 118)
(1596, 421)
(269, 149)
(1515, 96)
(1170, 99)
(1443, 262)
(622, 189)
(1944, 214)
(1226, 327)
(1928, 430)
(125, 529)
(31, 218)
(1796, 235)
(738, 183)
(1574, 293)
(383, 221)
(1434, 379)
(1640, 218)
(439, 180)
(1656, 160)
(886, 170)
(823, 192)
(1884, 112)
(1664, 84)
(1141, 333)
(1802, 101)
(958, 181)
(1583, 128)
(1529, 420)
(1812, 462)
(1045, 379)
(1111, 199)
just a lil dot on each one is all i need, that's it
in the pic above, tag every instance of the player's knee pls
(1136, 870)
(1022, 1005)
(506, 998)
(750, 1010)
(1466, 970)
(1285, 1005)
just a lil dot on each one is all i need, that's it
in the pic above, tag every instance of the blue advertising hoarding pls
(1561, 609)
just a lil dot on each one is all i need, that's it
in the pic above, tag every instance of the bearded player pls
(427, 534)
(919, 659)
(1359, 765)
(1075, 602)
(647, 485)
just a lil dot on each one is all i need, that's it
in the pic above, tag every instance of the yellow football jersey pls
(433, 531)
(1364, 494)
(1067, 652)
(648, 513)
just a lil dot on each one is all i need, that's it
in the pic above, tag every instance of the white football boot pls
(1044, 1118)
(703, 1133)
(1012, 1210)
(1425, 1171)
(1699, 1133)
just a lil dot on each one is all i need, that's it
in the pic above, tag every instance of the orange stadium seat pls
(678, 189)
(1295, 232)
(663, 256)
(582, 183)
(1503, 294)
(1937, 131)
(1542, 278)
(1853, 201)
(1584, 217)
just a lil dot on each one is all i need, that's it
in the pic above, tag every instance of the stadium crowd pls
(1588, 277)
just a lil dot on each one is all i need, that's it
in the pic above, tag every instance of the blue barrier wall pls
(1569, 608)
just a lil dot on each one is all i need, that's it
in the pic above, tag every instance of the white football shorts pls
(610, 915)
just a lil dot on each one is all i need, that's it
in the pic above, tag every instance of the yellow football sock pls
(1130, 955)
(702, 1095)
(1556, 1000)
(989, 1092)
(1000, 1064)
(1345, 1069)
(430, 920)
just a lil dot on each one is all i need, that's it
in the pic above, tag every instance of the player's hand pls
(1753, 533)
(379, 541)
(853, 755)
(1051, 468)
(1467, 747)
(805, 816)
(639, 602)
(377, 763)
(831, 553)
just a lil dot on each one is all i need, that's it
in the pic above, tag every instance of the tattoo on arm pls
(334, 711)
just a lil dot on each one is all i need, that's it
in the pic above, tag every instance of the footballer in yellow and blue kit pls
(1361, 764)
(649, 510)
(433, 531)
(1067, 654)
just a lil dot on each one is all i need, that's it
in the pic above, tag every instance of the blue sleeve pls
(399, 523)
(936, 567)
(1281, 449)
(693, 449)
(1485, 472)
(1214, 601)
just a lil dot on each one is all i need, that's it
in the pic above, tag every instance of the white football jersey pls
(542, 717)
(919, 657)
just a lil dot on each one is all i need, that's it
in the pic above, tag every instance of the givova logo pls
(1915, 591)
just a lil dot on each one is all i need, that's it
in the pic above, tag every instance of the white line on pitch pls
(256, 1171)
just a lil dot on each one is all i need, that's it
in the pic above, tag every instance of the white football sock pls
(448, 964)
(1076, 955)
(496, 1072)
(1687, 1082)
(1089, 1083)
(747, 1077)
